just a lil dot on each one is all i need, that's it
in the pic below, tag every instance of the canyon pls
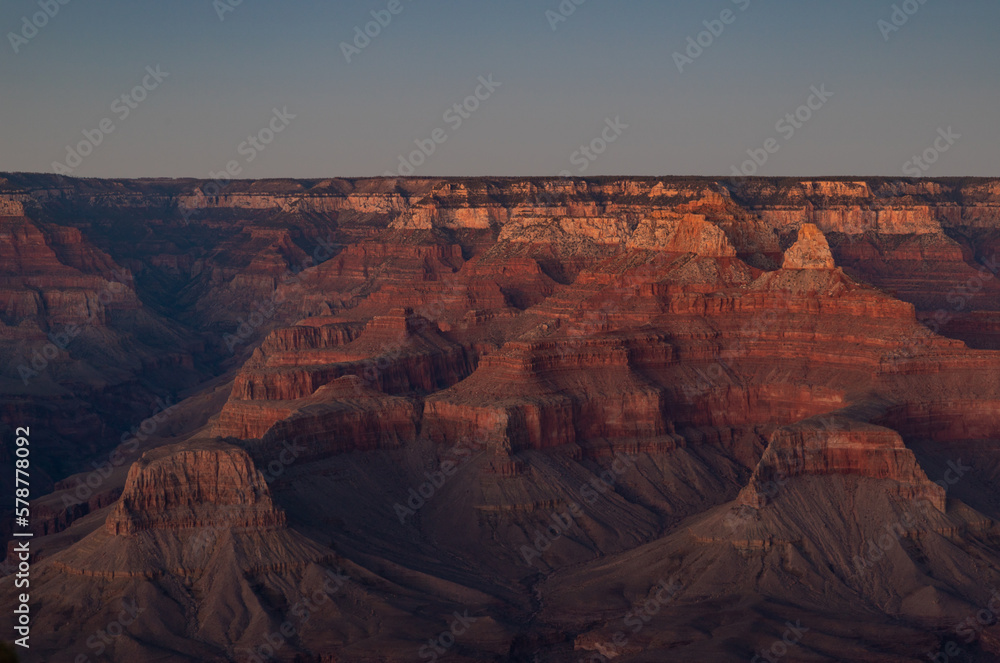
(505, 419)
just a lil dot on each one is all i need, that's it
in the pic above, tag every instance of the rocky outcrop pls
(811, 251)
(51, 275)
(345, 415)
(557, 391)
(690, 233)
(399, 353)
(191, 487)
(840, 446)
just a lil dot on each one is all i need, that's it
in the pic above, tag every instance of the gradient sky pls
(608, 59)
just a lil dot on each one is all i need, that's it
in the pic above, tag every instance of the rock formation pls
(811, 251)
(541, 401)
(188, 488)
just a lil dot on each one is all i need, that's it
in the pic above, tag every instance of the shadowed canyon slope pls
(507, 419)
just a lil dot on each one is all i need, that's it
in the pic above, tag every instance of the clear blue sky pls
(557, 87)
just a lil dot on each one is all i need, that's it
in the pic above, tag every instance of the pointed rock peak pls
(811, 251)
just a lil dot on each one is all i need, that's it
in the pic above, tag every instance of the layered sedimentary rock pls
(690, 233)
(176, 489)
(841, 446)
(345, 415)
(397, 353)
(80, 353)
(811, 251)
(539, 400)
(557, 391)
(52, 275)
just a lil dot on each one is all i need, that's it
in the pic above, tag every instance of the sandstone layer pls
(547, 402)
